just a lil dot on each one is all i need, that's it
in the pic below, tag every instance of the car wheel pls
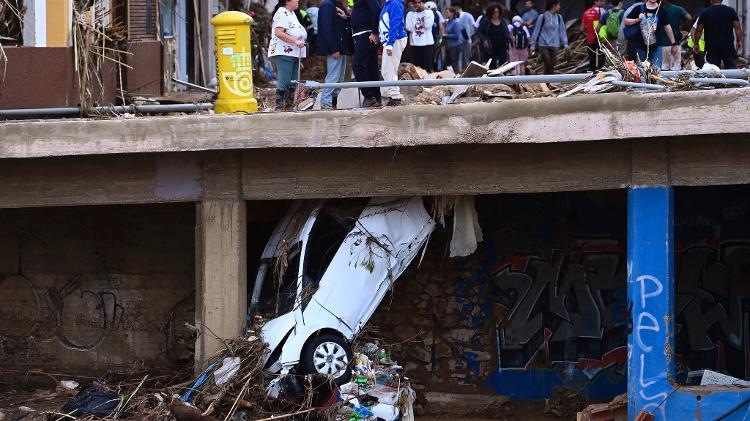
(330, 355)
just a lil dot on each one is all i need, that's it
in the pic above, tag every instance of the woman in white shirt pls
(286, 48)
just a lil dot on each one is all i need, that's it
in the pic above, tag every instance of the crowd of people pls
(435, 38)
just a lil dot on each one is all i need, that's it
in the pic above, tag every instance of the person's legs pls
(593, 50)
(666, 58)
(454, 55)
(284, 74)
(335, 71)
(465, 55)
(676, 58)
(640, 54)
(427, 54)
(549, 58)
(655, 57)
(729, 57)
(389, 69)
(362, 64)
(373, 71)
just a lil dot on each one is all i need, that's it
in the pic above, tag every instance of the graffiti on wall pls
(568, 314)
(712, 304)
(78, 319)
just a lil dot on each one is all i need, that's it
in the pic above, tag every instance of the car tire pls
(329, 355)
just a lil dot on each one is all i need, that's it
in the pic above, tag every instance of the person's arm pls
(562, 31)
(409, 22)
(374, 7)
(282, 35)
(429, 20)
(630, 20)
(535, 34)
(697, 36)
(325, 29)
(738, 35)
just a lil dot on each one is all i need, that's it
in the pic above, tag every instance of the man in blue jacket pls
(393, 38)
(364, 22)
(333, 42)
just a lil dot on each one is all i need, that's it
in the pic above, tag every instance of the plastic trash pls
(95, 400)
(69, 384)
(229, 367)
(385, 411)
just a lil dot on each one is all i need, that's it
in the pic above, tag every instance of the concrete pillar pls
(221, 274)
(651, 299)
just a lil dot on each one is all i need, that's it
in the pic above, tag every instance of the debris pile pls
(565, 403)
(378, 390)
(616, 410)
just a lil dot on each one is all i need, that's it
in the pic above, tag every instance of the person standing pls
(494, 36)
(529, 14)
(549, 35)
(641, 24)
(519, 44)
(393, 38)
(672, 57)
(438, 29)
(286, 48)
(591, 22)
(718, 21)
(419, 25)
(334, 42)
(467, 23)
(364, 23)
(454, 35)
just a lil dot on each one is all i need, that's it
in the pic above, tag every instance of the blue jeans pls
(286, 71)
(336, 69)
(654, 56)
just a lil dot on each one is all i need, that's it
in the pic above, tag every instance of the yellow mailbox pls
(234, 63)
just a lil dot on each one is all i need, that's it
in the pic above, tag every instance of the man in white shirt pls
(419, 25)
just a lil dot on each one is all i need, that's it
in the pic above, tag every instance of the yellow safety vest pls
(701, 42)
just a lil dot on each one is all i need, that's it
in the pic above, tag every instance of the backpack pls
(613, 23)
(521, 39)
(632, 32)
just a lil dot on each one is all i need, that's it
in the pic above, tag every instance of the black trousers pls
(724, 58)
(365, 64)
(596, 58)
(422, 56)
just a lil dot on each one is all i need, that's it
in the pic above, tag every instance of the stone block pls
(458, 404)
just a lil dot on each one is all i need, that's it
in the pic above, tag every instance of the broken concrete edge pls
(542, 120)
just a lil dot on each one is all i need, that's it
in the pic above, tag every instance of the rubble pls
(565, 403)
(616, 410)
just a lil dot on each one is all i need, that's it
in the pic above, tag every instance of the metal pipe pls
(119, 109)
(564, 78)
(637, 85)
(193, 85)
(719, 81)
(561, 78)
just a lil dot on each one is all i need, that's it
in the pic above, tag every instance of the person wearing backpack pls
(640, 29)
(609, 27)
(549, 34)
(591, 20)
(519, 44)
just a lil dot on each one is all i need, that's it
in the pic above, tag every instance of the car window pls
(277, 296)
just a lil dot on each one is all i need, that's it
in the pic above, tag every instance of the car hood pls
(275, 330)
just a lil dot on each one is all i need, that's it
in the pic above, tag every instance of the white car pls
(341, 258)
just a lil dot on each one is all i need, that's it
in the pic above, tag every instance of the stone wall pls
(97, 289)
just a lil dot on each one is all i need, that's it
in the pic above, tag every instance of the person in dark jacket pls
(364, 23)
(334, 42)
(493, 35)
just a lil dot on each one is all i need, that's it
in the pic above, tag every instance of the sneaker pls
(393, 103)
(370, 102)
(326, 107)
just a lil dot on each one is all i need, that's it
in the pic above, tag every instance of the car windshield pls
(277, 298)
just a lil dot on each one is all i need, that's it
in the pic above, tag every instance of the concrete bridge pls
(225, 167)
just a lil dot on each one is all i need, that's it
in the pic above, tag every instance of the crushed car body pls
(324, 271)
